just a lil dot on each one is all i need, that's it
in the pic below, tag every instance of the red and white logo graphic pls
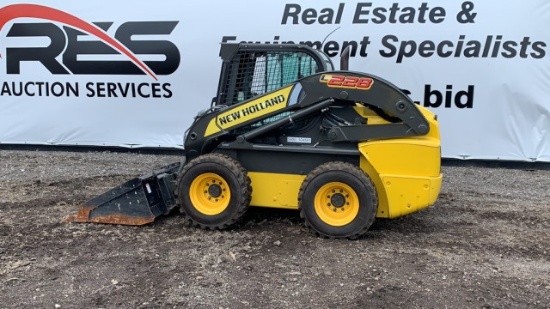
(65, 43)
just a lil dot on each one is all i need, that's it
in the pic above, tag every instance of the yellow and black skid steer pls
(287, 130)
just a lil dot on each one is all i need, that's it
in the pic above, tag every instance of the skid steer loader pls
(286, 130)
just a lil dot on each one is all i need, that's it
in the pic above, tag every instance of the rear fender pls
(406, 171)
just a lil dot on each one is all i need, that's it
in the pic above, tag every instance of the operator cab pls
(251, 70)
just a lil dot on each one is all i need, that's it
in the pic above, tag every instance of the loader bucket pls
(136, 202)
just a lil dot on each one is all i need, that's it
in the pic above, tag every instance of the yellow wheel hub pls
(336, 204)
(210, 194)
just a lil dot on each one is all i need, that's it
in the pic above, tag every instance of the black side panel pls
(286, 162)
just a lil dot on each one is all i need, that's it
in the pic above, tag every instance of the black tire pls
(338, 200)
(213, 191)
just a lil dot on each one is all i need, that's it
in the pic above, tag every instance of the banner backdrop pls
(111, 73)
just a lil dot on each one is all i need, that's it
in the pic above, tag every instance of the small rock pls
(277, 243)
(294, 273)
(114, 282)
(18, 264)
(57, 306)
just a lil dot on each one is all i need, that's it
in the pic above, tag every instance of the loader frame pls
(285, 130)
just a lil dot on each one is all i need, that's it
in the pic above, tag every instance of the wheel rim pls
(336, 204)
(209, 193)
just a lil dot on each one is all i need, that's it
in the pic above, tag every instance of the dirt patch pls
(485, 244)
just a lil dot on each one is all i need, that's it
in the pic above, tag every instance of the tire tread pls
(237, 170)
(353, 170)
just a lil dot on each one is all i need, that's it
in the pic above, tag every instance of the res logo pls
(65, 43)
(347, 81)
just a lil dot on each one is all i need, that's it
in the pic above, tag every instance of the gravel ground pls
(485, 244)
